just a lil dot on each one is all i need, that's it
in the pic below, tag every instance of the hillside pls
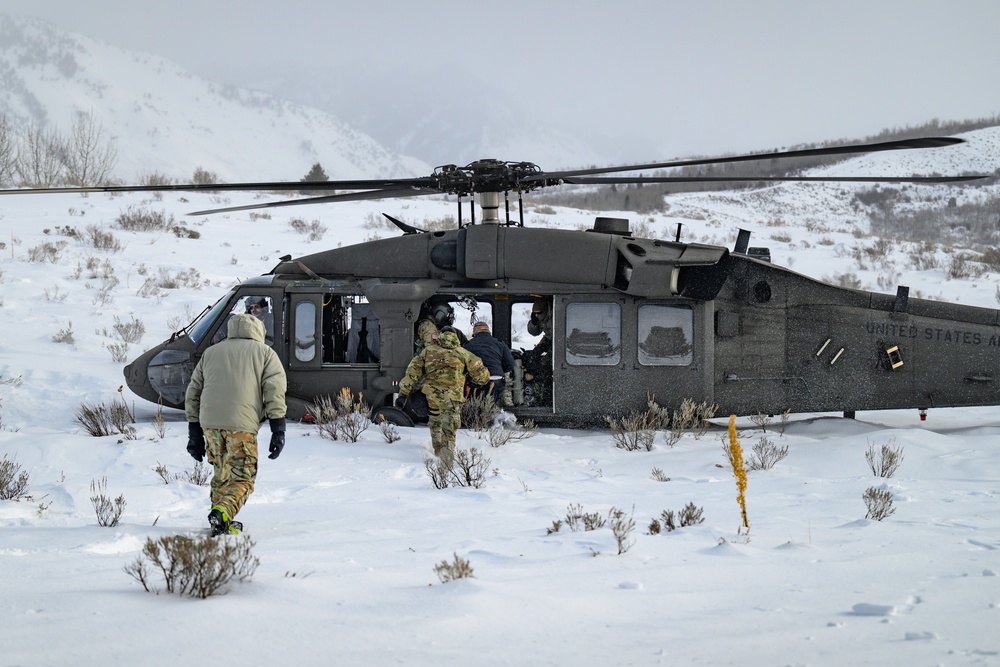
(165, 120)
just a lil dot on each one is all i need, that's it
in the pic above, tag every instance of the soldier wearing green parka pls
(442, 366)
(236, 384)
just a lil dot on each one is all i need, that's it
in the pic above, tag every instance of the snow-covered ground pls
(348, 535)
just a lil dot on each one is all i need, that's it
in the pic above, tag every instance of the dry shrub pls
(136, 219)
(632, 432)
(131, 331)
(100, 420)
(689, 417)
(577, 519)
(479, 411)
(498, 436)
(102, 240)
(879, 503)
(886, 460)
(765, 455)
(622, 526)
(691, 515)
(119, 351)
(200, 474)
(13, 480)
(109, 512)
(467, 467)
(198, 567)
(459, 568)
(388, 430)
(344, 418)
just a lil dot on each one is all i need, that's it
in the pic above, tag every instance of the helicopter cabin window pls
(351, 332)
(593, 334)
(362, 335)
(305, 331)
(665, 335)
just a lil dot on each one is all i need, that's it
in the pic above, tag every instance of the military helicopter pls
(626, 317)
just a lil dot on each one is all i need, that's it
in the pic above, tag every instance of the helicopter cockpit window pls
(259, 307)
(593, 334)
(665, 335)
(201, 326)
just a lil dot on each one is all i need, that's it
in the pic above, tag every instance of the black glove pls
(277, 437)
(401, 401)
(196, 441)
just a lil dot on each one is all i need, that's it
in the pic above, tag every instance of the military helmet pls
(442, 313)
(252, 301)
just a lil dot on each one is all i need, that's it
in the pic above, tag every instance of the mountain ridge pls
(49, 74)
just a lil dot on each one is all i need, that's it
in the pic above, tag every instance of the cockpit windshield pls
(197, 330)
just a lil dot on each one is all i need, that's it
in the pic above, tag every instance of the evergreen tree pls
(315, 175)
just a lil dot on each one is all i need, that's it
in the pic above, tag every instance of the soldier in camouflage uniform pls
(442, 366)
(236, 385)
(434, 314)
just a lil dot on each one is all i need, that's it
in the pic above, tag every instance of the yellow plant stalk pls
(739, 469)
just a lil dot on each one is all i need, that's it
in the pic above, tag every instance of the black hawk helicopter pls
(625, 317)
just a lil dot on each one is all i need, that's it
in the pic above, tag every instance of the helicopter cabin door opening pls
(331, 333)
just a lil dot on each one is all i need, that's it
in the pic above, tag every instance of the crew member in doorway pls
(442, 367)
(496, 356)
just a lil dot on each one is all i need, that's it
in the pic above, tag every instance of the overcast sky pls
(703, 76)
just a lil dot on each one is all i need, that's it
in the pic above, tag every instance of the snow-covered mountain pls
(165, 120)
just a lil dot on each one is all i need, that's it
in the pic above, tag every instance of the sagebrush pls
(466, 467)
(458, 568)
(197, 567)
(109, 512)
(766, 454)
(879, 503)
(884, 460)
(668, 521)
(100, 419)
(13, 480)
(345, 417)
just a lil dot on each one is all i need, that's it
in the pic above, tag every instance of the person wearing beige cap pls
(496, 357)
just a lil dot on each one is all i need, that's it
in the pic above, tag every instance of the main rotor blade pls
(275, 186)
(616, 180)
(903, 144)
(387, 193)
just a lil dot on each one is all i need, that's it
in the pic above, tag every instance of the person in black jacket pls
(496, 357)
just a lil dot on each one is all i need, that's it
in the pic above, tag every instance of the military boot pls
(218, 521)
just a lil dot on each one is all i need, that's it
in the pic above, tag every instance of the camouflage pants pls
(233, 454)
(444, 419)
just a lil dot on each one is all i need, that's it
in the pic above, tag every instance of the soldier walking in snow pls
(236, 385)
(442, 366)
